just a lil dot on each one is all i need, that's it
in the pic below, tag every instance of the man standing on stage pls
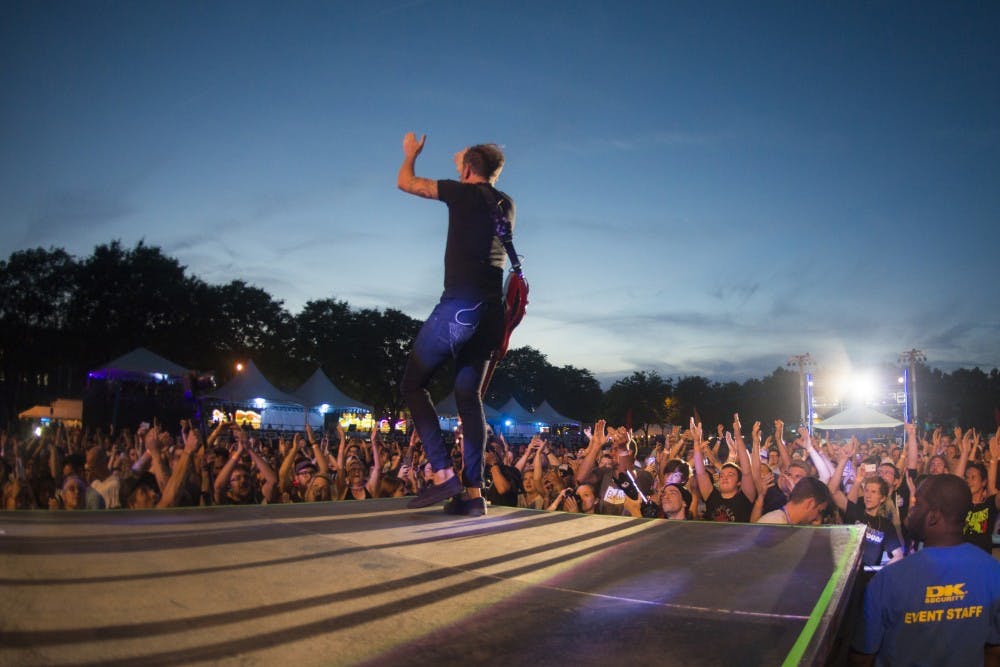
(467, 323)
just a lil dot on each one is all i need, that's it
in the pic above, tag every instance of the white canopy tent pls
(546, 414)
(62, 409)
(447, 411)
(859, 418)
(278, 410)
(140, 364)
(320, 391)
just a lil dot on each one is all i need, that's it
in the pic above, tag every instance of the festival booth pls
(319, 395)
(66, 410)
(136, 387)
(858, 419)
(250, 399)
(447, 411)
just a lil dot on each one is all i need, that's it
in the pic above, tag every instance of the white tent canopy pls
(516, 411)
(546, 414)
(447, 408)
(319, 390)
(67, 409)
(140, 363)
(858, 418)
(249, 385)
(278, 410)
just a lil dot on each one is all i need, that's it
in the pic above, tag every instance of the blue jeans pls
(467, 331)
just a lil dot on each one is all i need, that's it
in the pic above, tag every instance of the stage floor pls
(374, 583)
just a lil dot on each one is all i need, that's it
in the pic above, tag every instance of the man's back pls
(939, 606)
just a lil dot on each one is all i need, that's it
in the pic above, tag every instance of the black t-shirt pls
(513, 478)
(774, 499)
(979, 523)
(474, 256)
(880, 534)
(738, 508)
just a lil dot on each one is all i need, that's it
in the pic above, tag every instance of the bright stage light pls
(239, 367)
(862, 388)
(259, 403)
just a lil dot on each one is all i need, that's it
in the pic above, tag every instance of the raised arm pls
(376, 473)
(964, 443)
(501, 483)
(593, 450)
(214, 435)
(285, 474)
(823, 468)
(779, 439)
(151, 438)
(836, 493)
(222, 480)
(747, 480)
(171, 492)
(991, 466)
(266, 471)
(704, 480)
(912, 452)
(529, 452)
(407, 180)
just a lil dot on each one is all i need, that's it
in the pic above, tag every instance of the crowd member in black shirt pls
(882, 536)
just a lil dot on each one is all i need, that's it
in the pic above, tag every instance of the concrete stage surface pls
(374, 583)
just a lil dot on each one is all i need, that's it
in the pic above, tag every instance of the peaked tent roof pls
(858, 418)
(546, 414)
(514, 409)
(249, 384)
(447, 407)
(320, 390)
(61, 408)
(140, 362)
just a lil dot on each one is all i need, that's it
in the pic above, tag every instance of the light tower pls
(804, 362)
(911, 358)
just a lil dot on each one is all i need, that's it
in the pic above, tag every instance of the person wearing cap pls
(805, 507)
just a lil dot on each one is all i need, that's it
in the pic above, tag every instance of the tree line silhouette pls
(61, 316)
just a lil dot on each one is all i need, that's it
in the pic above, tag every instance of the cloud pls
(74, 213)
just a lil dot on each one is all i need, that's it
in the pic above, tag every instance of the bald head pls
(949, 495)
(939, 509)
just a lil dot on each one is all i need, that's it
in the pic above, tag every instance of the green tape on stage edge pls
(794, 656)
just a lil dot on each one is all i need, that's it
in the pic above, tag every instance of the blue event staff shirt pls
(939, 606)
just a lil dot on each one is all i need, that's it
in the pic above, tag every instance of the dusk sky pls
(702, 188)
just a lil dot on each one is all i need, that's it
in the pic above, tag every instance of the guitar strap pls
(501, 226)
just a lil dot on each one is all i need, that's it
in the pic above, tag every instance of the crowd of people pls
(778, 478)
(685, 475)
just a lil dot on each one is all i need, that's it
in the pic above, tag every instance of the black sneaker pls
(466, 506)
(431, 495)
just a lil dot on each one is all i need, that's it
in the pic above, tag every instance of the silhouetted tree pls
(37, 357)
(642, 396)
